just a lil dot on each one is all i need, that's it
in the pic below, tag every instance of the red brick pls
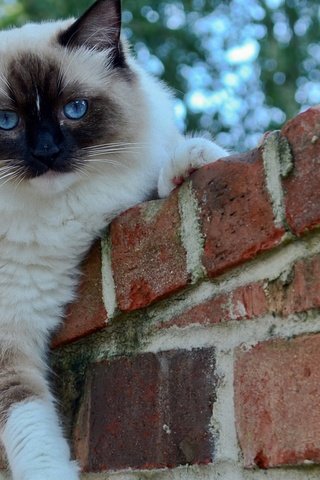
(302, 192)
(277, 391)
(300, 291)
(236, 212)
(148, 259)
(148, 411)
(246, 302)
(87, 314)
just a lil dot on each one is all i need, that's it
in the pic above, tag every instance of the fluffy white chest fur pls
(84, 135)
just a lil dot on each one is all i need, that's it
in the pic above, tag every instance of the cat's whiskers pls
(112, 148)
(93, 168)
(110, 151)
(6, 83)
(8, 179)
(106, 161)
(115, 144)
(21, 178)
(4, 93)
(5, 80)
(10, 174)
(7, 168)
(106, 153)
(81, 169)
(6, 161)
(110, 161)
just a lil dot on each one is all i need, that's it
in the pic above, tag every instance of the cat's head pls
(64, 87)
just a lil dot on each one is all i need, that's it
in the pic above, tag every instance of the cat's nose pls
(45, 150)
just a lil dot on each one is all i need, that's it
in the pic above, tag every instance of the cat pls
(85, 134)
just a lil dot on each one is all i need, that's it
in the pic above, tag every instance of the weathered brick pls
(236, 211)
(277, 390)
(302, 193)
(148, 411)
(299, 290)
(148, 259)
(87, 314)
(296, 291)
(245, 302)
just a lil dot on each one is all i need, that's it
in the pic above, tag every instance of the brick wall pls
(193, 351)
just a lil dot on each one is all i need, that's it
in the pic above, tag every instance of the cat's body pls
(58, 190)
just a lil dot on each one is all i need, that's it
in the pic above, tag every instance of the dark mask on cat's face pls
(60, 98)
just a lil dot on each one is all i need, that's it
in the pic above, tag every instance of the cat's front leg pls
(30, 429)
(190, 154)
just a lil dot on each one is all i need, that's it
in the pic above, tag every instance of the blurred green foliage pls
(195, 46)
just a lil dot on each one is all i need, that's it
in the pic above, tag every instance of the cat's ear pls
(99, 28)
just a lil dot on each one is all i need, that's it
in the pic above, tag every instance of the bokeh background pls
(238, 67)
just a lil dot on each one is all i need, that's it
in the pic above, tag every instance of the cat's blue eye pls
(76, 109)
(8, 119)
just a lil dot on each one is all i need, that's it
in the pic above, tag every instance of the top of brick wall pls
(226, 214)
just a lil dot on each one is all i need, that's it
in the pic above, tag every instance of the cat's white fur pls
(35, 444)
(46, 227)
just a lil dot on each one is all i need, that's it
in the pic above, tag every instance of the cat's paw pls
(191, 154)
(67, 472)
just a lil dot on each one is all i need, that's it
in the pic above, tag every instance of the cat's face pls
(64, 87)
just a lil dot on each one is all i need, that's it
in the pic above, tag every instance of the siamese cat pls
(85, 133)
